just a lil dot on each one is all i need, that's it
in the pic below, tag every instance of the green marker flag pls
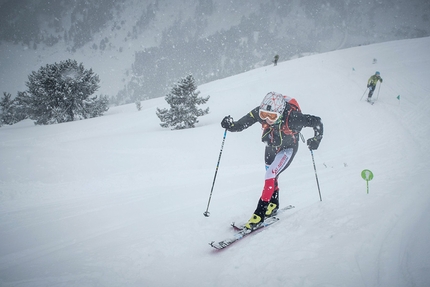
(367, 175)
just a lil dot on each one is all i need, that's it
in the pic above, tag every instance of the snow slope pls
(119, 201)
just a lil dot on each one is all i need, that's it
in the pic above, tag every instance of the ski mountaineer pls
(282, 121)
(275, 60)
(371, 84)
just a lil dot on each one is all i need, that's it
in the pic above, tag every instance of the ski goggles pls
(271, 116)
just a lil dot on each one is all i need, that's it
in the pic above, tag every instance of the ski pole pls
(207, 213)
(316, 176)
(377, 96)
(315, 169)
(363, 94)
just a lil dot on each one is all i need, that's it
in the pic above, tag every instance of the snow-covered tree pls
(61, 93)
(10, 110)
(183, 100)
(6, 115)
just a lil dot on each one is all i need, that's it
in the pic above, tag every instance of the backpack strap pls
(285, 128)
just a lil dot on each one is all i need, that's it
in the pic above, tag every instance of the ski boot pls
(273, 206)
(254, 222)
(272, 209)
(258, 217)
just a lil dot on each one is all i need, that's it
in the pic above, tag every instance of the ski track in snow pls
(119, 201)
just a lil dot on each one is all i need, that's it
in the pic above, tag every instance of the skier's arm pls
(300, 121)
(243, 123)
(317, 125)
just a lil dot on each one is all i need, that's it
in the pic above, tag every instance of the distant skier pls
(281, 121)
(275, 61)
(371, 84)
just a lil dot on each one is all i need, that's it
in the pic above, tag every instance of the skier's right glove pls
(227, 122)
(313, 143)
(368, 86)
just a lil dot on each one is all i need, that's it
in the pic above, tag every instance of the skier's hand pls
(313, 143)
(368, 86)
(227, 122)
(381, 80)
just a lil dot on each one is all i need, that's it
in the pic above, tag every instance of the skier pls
(371, 84)
(281, 121)
(275, 61)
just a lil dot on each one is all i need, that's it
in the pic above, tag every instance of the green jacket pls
(373, 80)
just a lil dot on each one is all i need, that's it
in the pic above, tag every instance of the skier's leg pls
(273, 206)
(269, 157)
(371, 90)
(276, 163)
(281, 161)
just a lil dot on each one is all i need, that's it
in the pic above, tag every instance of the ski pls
(242, 232)
(280, 210)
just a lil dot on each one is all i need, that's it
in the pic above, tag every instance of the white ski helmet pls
(273, 102)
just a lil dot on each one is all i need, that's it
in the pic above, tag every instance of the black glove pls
(227, 122)
(314, 142)
(368, 86)
(381, 80)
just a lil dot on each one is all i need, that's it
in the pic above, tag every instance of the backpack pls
(293, 103)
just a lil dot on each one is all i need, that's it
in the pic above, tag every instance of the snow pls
(119, 201)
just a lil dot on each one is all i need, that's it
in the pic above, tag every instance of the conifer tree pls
(62, 92)
(11, 110)
(183, 100)
(6, 109)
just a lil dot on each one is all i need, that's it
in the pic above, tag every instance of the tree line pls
(56, 93)
(63, 92)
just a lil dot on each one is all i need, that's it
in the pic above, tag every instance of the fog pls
(149, 45)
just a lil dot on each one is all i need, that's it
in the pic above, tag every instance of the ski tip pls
(218, 246)
(233, 224)
(212, 244)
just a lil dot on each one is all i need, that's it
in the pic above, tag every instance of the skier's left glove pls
(227, 122)
(313, 143)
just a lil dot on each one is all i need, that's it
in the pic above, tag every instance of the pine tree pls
(11, 110)
(61, 93)
(6, 106)
(20, 106)
(183, 100)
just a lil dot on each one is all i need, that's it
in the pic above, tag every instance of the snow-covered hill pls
(119, 201)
